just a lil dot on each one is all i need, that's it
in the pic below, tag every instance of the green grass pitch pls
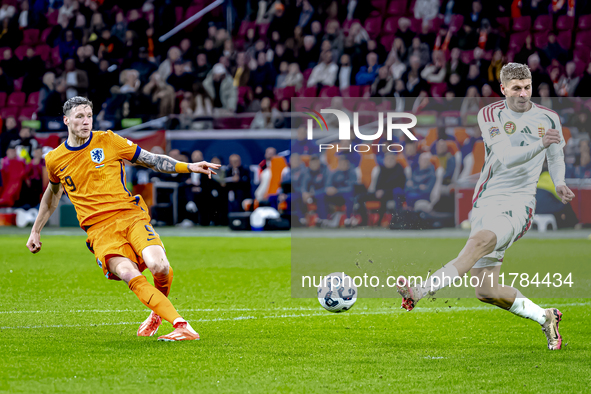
(65, 328)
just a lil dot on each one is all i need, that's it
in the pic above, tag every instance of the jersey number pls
(70, 183)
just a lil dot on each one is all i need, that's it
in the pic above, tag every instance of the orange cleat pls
(182, 332)
(149, 328)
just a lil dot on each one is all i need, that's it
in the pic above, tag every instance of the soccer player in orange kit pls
(89, 166)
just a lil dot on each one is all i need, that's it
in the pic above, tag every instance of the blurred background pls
(232, 86)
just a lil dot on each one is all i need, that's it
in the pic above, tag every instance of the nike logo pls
(150, 299)
(61, 169)
(151, 239)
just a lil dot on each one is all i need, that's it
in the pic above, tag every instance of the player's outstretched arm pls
(49, 203)
(168, 165)
(557, 168)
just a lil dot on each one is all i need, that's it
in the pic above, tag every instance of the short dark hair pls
(74, 102)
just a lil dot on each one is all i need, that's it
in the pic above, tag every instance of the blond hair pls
(514, 71)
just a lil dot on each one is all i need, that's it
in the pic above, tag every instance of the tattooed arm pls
(168, 165)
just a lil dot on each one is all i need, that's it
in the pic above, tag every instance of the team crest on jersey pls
(510, 128)
(494, 131)
(97, 155)
(541, 130)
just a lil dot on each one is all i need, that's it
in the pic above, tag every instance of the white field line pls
(293, 315)
(423, 309)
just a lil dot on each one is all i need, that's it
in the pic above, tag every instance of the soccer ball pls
(337, 292)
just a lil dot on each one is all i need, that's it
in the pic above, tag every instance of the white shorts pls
(509, 223)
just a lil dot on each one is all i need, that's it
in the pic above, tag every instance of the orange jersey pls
(93, 176)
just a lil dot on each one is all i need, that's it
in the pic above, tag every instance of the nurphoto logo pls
(345, 130)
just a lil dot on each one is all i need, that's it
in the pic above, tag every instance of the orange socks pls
(153, 298)
(163, 281)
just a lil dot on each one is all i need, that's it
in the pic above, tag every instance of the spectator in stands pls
(474, 78)
(412, 76)
(221, 89)
(404, 31)
(426, 9)
(583, 168)
(84, 61)
(382, 86)
(469, 142)
(283, 70)
(242, 71)
(5, 82)
(166, 67)
(314, 185)
(34, 67)
(411, 153)
(9, 133)
(108, 47)
(337, 103)
(335, 36)
(421, 50)
(238, 183)
(584, 85)
(294, 77)
(270, 153)
(446, 160)
(306, 14)
(143, 65)
(538, 75)
(368, 73)
(339, 186)
(526, 51)
(387, 182)
(544, 93)
(267, 117)
(202, 67)
(308, 54)
(421, 183)
(281, 23)
(120, 27)
(76, 80)
(97, 25)
(345, 73)
(301, 145)
(567, 84)
(11, 65)
(434, 72)
(25, 144)
(262, 79)
(471, 103)
(181, 78)
(34, 179)
(161, 94)
(554, 50)
(325, 73)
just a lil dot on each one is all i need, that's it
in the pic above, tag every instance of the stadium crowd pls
(244, 75)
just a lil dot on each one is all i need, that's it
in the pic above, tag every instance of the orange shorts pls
(125, 234)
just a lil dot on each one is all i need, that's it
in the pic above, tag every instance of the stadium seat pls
(390, 25)
(30, 36)
(43, 51)
(380, 5)
(21, 51)
(347, 25)
(541, 39)
(438, 89)
(244, 94)
(55, 56)
(522, 23)
(582, 54)
(244, 26)
(285, 93)
(307, 92)
(366, 166)
(565, 23)
(245, 122)
(566, 134)
(387, 40)
(351, 91)
(16, 99)
(397, 7)
(350, 103)
(416, 25)
(27, 113)
(321, 103)
(179, 13)
(2, 99)
(583, 39)
(584, 22)
(263, 29)
(457, 21)
(543, 23)
(365, 90)
(516, 41)
(9, 111)
(12, 174)
(373, 26)
(565, 39)
(306, 74)
(33, 99)
(329, 91)
(460, 135)
(504, 23)
(52, 18)
(44, 34)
